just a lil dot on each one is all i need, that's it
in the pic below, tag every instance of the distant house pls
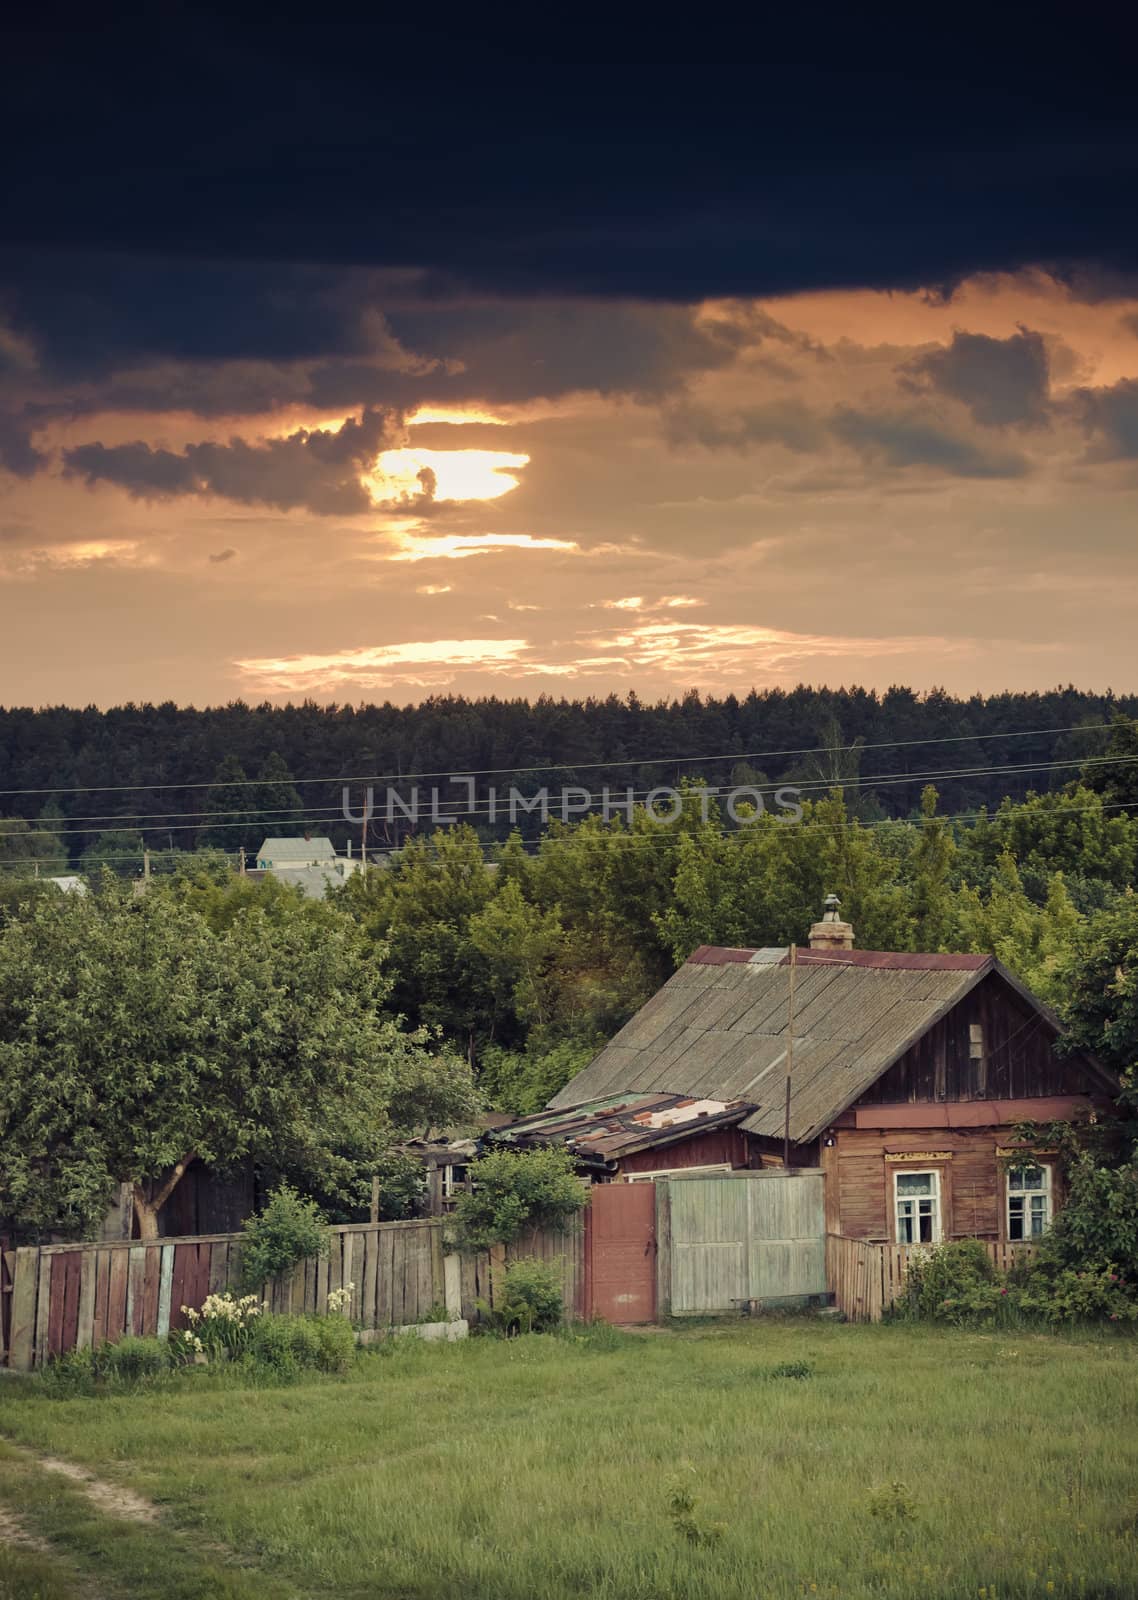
(291, 854)
(309, 864)
(908, 1078)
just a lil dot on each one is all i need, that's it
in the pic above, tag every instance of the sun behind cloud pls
(458, 474)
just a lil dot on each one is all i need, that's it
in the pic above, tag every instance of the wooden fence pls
(866, 1279)
(72, 1297)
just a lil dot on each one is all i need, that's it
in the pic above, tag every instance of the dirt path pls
(12, 1531)
(109, 1497)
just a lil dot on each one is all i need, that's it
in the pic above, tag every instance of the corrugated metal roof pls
(718, 1030)
(602, 1129)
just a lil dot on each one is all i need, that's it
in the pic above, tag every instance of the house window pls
(916, 1201)
(976, 1041)
(1029, 1202)
(454, 1181)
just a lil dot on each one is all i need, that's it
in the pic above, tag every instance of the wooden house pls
(906, 1082)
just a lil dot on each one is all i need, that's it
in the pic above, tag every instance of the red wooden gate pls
(620, 1246)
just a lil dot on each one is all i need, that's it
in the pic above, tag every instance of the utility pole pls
(241, 860)
(789, 1056)
(145, 865)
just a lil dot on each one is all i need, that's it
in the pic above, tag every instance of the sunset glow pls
(458, 474)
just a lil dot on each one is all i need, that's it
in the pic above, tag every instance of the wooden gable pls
(994, 1044)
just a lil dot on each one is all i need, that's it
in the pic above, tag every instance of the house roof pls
(718, 1028)
(600, 1131)
(280, 852)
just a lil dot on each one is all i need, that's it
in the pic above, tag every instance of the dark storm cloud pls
(1109, 417)
(18, 454)
(136, 340)
(791, 424)
(810, 163)
(318, 469)
(900, 439)
(1001, 381)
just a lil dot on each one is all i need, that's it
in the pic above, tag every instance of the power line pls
(163, 820)
(654, 840)
(569, 766)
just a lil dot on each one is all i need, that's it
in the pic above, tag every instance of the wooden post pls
(438, 1266)
(25, 1280)
(789, 1056)
(663, 1248)
(374, 1213)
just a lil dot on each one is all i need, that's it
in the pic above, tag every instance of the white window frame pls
(677, 1172)
(1026, 1195)
(937, 1198)
(451, 1187)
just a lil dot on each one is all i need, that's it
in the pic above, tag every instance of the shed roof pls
(603, 1130)
(718, 1028)
(279, 852)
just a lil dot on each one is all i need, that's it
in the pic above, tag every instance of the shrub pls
(287, 1230)
(288, 1344)
(531, 1299)
(132, 1359)
(954, 1282)
(515, 1192)
(1060, 1294)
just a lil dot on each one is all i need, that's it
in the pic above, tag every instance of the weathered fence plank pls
(866, 1278)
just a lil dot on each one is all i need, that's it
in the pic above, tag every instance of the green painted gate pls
(739, 1242)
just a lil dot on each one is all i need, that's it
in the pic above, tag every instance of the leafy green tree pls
(419, 909)
(521, 947)
(120, 851)
(134, 1040)
(517, 1192)
(1097, 977)
(524, 1081)
(1032, 940)
(1115, 776)
(28, 852)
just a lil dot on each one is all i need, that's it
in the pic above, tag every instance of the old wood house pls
(904, 1077)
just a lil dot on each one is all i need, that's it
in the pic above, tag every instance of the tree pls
(119, 851)
(1115, 774)
(27, 852)
(134, 1040)
(516, 1192)
(1098, 979)
(230, 821)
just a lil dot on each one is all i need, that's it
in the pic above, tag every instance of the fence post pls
(25, 1280)
(663, 1248)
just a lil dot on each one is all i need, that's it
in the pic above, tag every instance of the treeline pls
(104, 784)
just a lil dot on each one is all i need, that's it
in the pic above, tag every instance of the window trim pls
(937, 1175)
(1048, 1192)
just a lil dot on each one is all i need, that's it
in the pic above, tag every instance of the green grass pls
(544, 1467)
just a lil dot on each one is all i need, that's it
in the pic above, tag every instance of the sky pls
(527, 377)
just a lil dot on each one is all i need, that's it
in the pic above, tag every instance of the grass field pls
(543, 1467)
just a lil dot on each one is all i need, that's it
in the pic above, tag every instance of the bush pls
(1097, 1294)
(288, 1344)
(530, 1302)
(287, 1230)
(515, 1192)
(954, 1282)
(132, 1359)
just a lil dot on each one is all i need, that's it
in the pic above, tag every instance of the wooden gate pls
(620, 1244)
(741, 1242)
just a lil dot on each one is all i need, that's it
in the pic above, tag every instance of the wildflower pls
(1003, 1291)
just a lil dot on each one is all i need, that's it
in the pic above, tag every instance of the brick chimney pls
(832, 933)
